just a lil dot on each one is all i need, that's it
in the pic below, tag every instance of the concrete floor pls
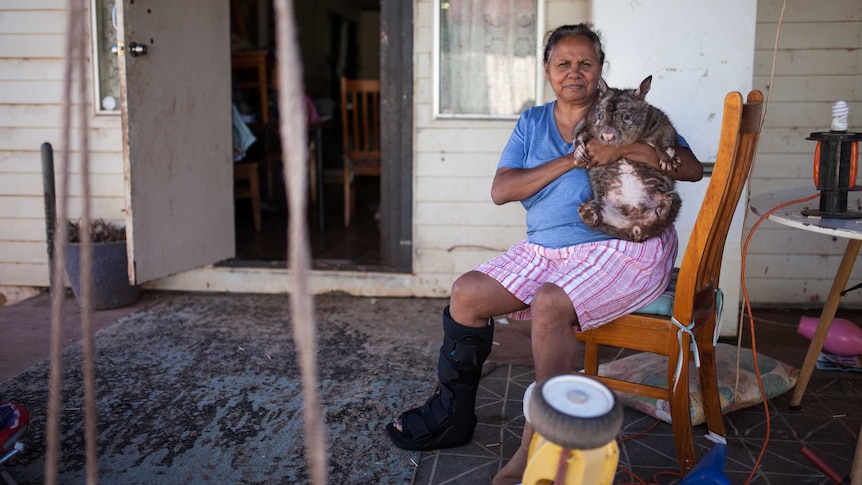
(827, 422)
(25, 328)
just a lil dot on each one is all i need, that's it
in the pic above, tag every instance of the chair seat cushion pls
(651, 369)
(663, 305)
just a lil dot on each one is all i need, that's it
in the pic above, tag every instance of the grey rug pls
(206, 389)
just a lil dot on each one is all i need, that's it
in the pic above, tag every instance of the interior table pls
(850, 229)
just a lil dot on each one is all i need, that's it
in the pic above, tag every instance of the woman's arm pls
(690, 169)
(514, 184)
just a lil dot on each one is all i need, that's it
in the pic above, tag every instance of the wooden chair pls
(247, 186)
(251, 70)
(694, 308)
(360, 126)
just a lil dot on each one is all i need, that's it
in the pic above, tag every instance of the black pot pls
(111, 288)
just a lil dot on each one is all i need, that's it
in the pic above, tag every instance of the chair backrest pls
(250, 71)
(360, 117)
(701, 265)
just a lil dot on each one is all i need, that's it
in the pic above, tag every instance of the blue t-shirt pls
(552, 213)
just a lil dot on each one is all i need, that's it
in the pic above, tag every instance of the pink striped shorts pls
(604, 279)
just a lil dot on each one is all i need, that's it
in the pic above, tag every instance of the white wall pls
(695, 51)
(32, 44)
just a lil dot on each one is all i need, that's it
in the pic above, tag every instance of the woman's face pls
(573, 70)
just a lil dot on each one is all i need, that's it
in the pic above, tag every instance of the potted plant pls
(111, 287)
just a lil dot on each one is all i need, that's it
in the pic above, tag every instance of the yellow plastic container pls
(576, 421)
(582, 467)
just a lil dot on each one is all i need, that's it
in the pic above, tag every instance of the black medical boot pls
(448, 418)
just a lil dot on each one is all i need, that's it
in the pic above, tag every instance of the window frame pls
(96, 56)
(435, 68)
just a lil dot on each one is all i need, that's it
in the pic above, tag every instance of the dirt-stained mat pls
(206, 388)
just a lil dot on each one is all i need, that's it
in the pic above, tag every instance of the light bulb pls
(840, 113)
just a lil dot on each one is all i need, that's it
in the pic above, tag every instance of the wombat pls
(631, 200)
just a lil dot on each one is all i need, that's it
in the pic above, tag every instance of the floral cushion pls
(651, 369)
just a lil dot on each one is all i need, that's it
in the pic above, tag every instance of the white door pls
(177, 139)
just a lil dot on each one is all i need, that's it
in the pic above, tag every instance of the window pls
(106, 73)
(487, 63)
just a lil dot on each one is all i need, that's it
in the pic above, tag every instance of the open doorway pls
(334, 41)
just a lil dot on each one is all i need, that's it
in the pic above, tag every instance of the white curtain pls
(487, 56)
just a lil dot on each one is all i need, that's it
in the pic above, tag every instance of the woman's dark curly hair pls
(585, 29)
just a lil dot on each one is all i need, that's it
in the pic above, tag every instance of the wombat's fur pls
(631, 200)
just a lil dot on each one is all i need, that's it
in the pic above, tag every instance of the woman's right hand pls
(516, 184)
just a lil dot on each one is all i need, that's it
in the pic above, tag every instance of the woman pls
(565, 276)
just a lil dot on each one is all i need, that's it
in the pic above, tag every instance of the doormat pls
(200, 389)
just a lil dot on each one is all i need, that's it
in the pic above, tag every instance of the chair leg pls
(680, 412)
(709, 389)
(249, 172)
(254, 182)
(271, 160)
(591, 358)
(312, 171)
(682, 432)
(348, 194)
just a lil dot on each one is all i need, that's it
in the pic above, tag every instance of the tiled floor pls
(827, 422)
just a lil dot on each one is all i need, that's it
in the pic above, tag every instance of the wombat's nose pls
(607, 135)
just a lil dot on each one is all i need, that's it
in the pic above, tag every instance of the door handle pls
(136, 49)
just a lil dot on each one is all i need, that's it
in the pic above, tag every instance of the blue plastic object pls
(710, 470)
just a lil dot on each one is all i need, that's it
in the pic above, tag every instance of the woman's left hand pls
(598, 154)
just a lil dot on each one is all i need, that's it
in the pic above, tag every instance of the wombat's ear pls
(603, 86)
(641, 91)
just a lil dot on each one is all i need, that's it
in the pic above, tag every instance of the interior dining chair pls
(254, 77)
(360, 127)
(695, 307)
(247, 186)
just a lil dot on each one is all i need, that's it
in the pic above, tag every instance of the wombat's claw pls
(669, 166)
(580, 153)
(674, 162)
(588, 215)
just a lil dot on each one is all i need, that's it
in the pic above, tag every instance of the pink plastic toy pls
(844, 337)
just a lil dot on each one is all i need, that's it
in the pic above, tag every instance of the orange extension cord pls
(751, 324)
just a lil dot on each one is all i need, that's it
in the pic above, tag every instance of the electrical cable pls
(630, 473)
(747, 303)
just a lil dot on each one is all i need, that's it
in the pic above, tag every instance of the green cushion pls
(663, 305)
